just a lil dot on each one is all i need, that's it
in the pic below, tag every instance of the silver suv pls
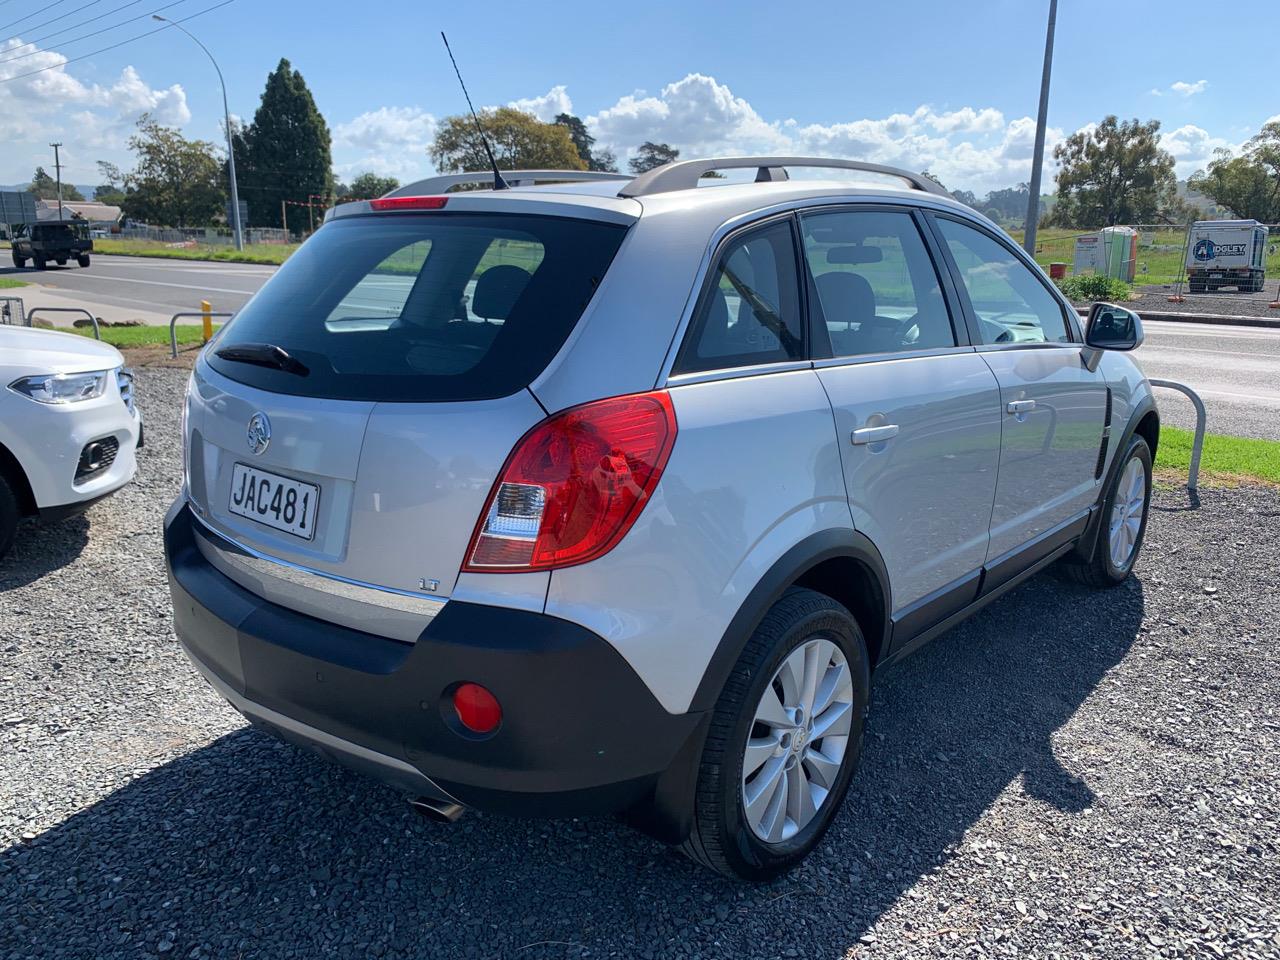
(610, 494)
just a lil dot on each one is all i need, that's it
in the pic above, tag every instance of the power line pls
(45, 23)
(94, 53)
(86, 36)
(30, 15)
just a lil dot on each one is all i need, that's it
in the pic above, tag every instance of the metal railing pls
(1197, 445)
(31, 315)
(173, 331)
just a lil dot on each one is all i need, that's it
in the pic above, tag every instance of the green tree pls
(650, 155)
(177, 182)
(45, 187)
(1114, 174)
(286, 150)
(583, 142)
(111, 190)
(1248, 185)
(368, 185)
(520, 141)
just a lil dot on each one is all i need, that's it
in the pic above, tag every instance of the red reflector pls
(408, 203)
(574, 485)
(478, 710)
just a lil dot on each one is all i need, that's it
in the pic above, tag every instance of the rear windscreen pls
(438, 306)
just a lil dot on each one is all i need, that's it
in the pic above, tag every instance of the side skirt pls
(995, 581)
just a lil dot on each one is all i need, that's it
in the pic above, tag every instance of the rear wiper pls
(263, 355)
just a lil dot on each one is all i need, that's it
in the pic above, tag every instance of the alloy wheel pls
(798, 740)
(1127, 512)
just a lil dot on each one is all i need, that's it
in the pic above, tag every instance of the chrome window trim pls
(736, 373)
(1043, 345)
(260, 563)
(761, 215)
(830, 362)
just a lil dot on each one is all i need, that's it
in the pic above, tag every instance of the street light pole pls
(1037, 160)
(236, 232)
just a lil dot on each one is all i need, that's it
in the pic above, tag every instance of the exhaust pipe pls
(438, 811)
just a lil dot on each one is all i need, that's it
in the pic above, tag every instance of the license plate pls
(276, 501)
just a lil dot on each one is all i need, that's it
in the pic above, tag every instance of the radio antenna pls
(498, 182)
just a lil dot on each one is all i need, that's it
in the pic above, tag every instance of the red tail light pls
(408, 203)
(574, 485)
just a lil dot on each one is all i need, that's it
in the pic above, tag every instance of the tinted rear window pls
(427, 307)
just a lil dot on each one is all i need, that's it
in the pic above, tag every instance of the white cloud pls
(391, 141)
(1182, 88)
(1193, 147)
(970, 148)
(548, 106)
(92, 120)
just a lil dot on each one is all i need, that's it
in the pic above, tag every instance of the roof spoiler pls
(514, 178)
(685, 174)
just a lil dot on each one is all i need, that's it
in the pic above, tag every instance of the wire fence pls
(1214, 264)
(202, 236)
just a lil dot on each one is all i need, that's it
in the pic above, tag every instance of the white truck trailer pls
(1226, 253)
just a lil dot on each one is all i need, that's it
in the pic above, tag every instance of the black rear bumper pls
(581, 733)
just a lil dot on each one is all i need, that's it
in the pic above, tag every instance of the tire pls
(62, 261)
(803, 623)
(1101, 569)
(40, 262)
(8, 516)
(18, 261)
(83, 259)
(1196, 286)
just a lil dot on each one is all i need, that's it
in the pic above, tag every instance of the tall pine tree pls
(286, 152)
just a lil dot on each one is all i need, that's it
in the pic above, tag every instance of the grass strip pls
(125, 337)
(264, 253)
(1227, 456)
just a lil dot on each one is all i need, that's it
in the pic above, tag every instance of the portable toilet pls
(1120, 252)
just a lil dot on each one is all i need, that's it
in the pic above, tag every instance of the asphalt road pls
(1235, 369)
(149, 285)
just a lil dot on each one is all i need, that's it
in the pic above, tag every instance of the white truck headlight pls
(62, 387)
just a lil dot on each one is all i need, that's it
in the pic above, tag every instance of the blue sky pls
(942, 85)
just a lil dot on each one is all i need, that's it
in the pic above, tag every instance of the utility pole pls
(57, 168)
(1037, 160)
(284, 220)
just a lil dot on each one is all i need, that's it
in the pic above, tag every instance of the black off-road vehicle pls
(56, 240)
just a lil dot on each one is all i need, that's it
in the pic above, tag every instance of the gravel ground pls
(1231, 303)
(1069, 774)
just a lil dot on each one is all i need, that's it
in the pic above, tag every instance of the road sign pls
(244, 214)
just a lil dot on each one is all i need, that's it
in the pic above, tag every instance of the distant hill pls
(87, 191)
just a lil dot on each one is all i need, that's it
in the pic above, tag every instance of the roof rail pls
(514, 178)
(685, 174)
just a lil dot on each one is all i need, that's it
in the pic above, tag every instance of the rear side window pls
(423, 307)
(751, 312)
(875, 282)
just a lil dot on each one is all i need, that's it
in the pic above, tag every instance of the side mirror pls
(1113, 328)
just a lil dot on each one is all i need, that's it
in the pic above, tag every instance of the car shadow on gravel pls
(250, 847)
(40, 547)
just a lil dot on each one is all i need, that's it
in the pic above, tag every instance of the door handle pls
(874, 434)
(1020, 406)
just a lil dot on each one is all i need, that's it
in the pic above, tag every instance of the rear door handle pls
(1020, 406)
(874, 434)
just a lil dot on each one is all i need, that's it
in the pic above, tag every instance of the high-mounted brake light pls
(408, 203)
(574, 485)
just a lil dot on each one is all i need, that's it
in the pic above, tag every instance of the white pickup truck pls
(1226, 253)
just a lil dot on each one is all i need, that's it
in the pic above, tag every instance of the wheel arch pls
(842, 564)
(1145, 422)
(12, 471)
